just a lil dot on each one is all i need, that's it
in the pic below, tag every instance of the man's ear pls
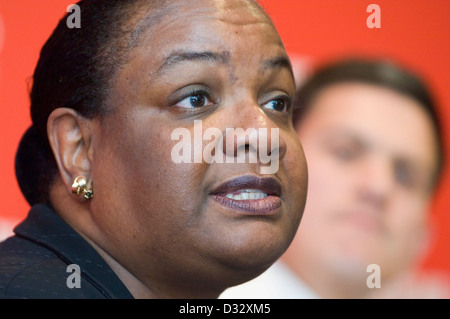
(425, 238)
(69, 135)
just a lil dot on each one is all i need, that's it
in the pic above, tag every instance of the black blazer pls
(34, 263)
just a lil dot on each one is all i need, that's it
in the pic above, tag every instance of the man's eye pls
(406, 175)
(194, 100)
(279, 105)
(344, 154)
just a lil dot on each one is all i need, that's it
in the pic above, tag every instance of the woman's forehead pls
(180, 17)
(208, 31)
(200, 40)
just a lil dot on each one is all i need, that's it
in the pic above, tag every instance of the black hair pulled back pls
(75, 69)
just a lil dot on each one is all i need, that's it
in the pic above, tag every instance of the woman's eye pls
(194, 100)
(279, 105)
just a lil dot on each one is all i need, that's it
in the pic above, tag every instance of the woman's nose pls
(254, 137)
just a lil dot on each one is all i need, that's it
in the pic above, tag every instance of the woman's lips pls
(250, 194)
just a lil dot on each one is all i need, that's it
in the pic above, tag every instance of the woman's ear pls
(69, 136)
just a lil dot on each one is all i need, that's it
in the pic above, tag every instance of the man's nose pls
(376, 182)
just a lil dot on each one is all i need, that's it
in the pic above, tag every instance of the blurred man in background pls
(372, 140)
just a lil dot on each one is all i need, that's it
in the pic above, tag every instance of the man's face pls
(371, 156)
(172, 223)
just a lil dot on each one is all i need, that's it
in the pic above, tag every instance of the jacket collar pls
(45, 228)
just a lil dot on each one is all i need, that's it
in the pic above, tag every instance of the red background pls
(415, 33)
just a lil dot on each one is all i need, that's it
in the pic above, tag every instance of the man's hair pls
(383, 73)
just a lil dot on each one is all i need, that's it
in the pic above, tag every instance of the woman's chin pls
(251, 254)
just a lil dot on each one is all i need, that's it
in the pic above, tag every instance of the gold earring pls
(79, 187)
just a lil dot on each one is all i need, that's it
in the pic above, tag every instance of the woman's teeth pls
(246, 194)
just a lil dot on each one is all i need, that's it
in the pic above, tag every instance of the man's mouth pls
(250, 194)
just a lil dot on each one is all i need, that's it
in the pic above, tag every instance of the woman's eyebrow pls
(276, 63)
(223, 57)
(183, 56)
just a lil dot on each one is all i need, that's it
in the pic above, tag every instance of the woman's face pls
(172, 223)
